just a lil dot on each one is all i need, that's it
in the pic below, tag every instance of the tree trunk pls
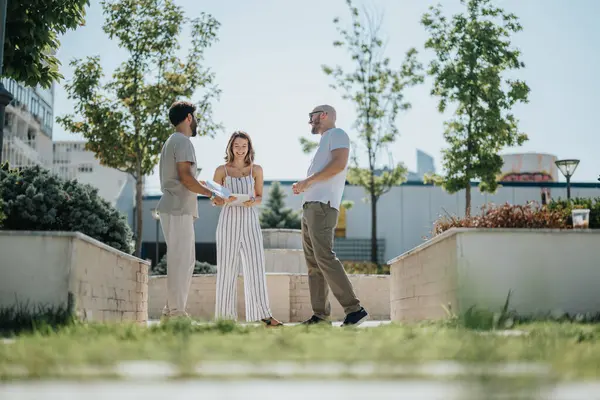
(139, 187)
(468, 200)
(374, 229)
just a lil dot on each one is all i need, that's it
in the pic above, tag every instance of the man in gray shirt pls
(323, 189)
(178, 205)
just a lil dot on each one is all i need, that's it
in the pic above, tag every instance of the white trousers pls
(181, 259)
(239, 239)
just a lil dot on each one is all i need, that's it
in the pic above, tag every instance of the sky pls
(268, 65)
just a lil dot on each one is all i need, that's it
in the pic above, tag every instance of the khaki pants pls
(181, 259)
(325, 270)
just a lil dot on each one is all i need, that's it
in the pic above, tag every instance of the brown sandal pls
(271, 322)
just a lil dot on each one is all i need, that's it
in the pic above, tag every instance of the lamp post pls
(567, 168)
(5, 96)
(156, 216)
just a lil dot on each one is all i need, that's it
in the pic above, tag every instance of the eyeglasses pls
(310, 115)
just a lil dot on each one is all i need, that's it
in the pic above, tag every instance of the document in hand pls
(219, 190)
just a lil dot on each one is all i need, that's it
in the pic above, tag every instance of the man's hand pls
(218, 201)
(301, 186)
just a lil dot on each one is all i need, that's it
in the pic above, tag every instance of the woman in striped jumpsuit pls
(239, 236)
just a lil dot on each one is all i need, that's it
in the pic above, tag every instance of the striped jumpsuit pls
(239, 239)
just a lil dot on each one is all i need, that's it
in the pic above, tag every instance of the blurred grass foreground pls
(569, 350)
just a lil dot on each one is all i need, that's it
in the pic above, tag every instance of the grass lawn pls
(571, 350)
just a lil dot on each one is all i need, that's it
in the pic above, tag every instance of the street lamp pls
(5, 96)
(156, 216)
(567, 168)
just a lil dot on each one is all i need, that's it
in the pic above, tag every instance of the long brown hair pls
(249, 159)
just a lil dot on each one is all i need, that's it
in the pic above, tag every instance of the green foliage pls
(125, 120)
(35, 199)
(31, 38)
(482, 319)
(199, 268)
(365, 268)
(565, 207)
(377, 92)
(3, 168)
(530, 216)
(275, 214)
(472, 51)
(347, 204)
(308, 146)
(41, 319)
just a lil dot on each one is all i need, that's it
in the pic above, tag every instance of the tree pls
(31, 41)
(377, 92)
(472, 52)
(275, 215)
(125, 121)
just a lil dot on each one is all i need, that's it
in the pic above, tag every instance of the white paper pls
(240, 198)
(219, 190)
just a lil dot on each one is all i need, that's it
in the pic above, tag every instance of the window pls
(85, 168)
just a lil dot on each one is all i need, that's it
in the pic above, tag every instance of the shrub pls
(365, 267)
(2, 216)
(275, 214)
(200, 268)
(565, 207)
(36, 199)
(530, 216)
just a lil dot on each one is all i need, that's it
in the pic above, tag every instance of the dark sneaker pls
(356, 318)
(316, 320)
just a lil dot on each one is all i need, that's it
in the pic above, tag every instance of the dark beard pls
(314, 129)
(194, 130)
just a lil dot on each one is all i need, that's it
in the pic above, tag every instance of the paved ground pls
(288, 390)
(366, 324)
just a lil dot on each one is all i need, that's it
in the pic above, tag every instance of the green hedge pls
(593, 204)
(200, 268)
(36, 199)
(1, 209)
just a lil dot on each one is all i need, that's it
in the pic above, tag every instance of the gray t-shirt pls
(176, 198)
(331, 190)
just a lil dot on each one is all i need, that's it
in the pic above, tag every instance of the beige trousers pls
(325, 270)
(181, 259)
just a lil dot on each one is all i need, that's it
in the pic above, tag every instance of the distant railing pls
(22, 153)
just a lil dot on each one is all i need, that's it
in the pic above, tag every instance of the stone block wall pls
(108, 285)
(424, 281)
(289, 296)
(546, 270)
(49, 268)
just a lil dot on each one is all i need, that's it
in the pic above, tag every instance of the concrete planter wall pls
(547, 270)
(282, 238)
(288, 296)
(283, 251)
(46, 268)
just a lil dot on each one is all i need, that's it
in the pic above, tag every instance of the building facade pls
(28, 126)
(406, 216)
(72, 161)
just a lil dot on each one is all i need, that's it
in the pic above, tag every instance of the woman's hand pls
(250, 202)
(219, 201)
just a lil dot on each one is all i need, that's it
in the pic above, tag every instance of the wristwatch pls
(212, 196)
